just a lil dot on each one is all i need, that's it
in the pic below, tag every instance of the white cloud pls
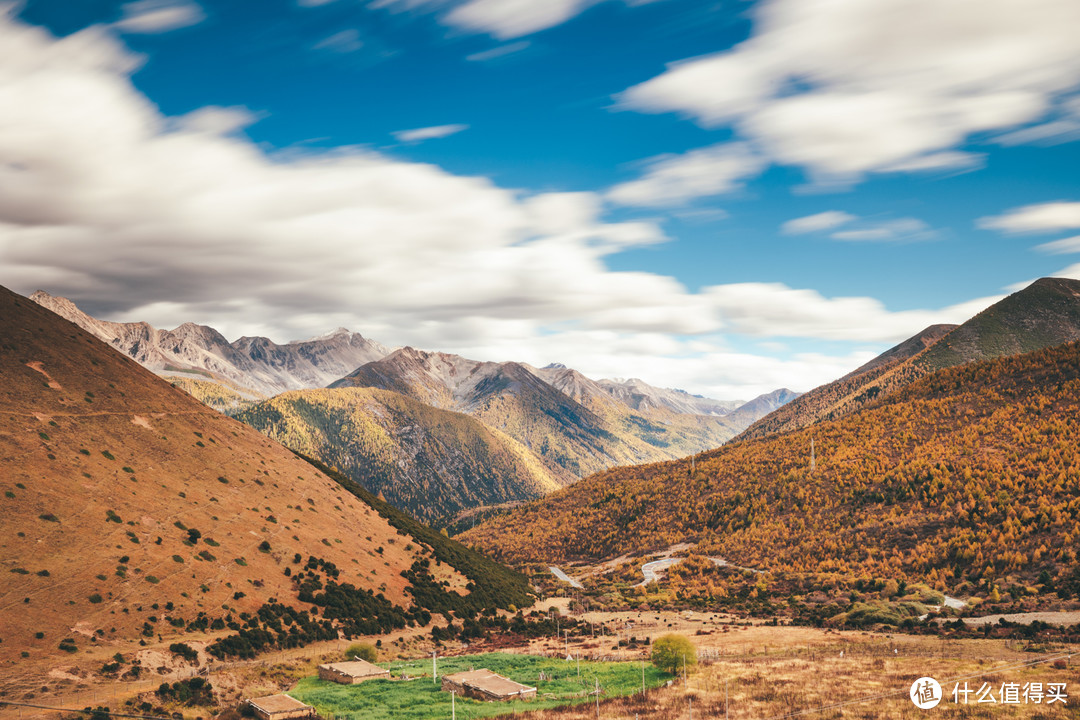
(1072, 272)
(945, 160)
(215, 120)
(498, 52)
(700, 216)
(816, 223)
(506, 19)
(1051, 133)
(847, 87)
(139, 216)
(678, 179)
(775, 310)
(1044, 217)
(860, 229)
(346, 41)
(158, 16)
(1065, 128)
(1061, 247)
(897, 230)
(502, 19)
(428, 133)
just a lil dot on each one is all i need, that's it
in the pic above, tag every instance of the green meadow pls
(421, 699)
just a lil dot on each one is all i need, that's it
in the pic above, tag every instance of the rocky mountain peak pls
(255, 363)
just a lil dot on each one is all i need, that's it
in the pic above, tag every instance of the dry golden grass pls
(767, 672)
(830, 686)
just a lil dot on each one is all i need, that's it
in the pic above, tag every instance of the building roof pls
(278, 703)
(487, 681)
(356, 668)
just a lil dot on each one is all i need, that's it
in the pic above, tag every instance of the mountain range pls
(254, 367)
(446, 435)
(540, 429)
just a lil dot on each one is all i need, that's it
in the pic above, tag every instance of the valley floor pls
(766, 671)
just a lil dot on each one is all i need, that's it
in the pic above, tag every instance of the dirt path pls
(651, 570)
(565, 578)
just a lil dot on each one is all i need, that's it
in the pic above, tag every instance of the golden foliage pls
(972, 470)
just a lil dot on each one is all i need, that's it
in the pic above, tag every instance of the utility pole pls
(642, 678)
(453, 709)
(597, 681)
(813, 459)
(434, 669)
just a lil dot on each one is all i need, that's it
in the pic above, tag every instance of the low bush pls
(184, 650)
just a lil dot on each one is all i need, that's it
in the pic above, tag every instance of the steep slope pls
(1044, 314)
(968, 474)
(254, 363)
(571, 423)
(905, 350)
(433, 463)
(131, 510)
(831, 399)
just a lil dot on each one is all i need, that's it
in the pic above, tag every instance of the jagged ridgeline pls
(130, 510)
(967, 473)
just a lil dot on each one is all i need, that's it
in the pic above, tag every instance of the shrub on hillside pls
(184, 650)
(196, 691)
(364, 651)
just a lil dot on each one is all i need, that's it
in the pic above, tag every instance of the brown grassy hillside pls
(969, 473)
(120, 494)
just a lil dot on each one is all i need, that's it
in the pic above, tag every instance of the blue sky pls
(727, 197)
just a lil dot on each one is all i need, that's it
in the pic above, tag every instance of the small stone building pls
(486, 685)
(280, 707)
(352, 672)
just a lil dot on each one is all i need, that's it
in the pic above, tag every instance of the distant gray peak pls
(554, 366)
(325, 336)
(256, 363)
